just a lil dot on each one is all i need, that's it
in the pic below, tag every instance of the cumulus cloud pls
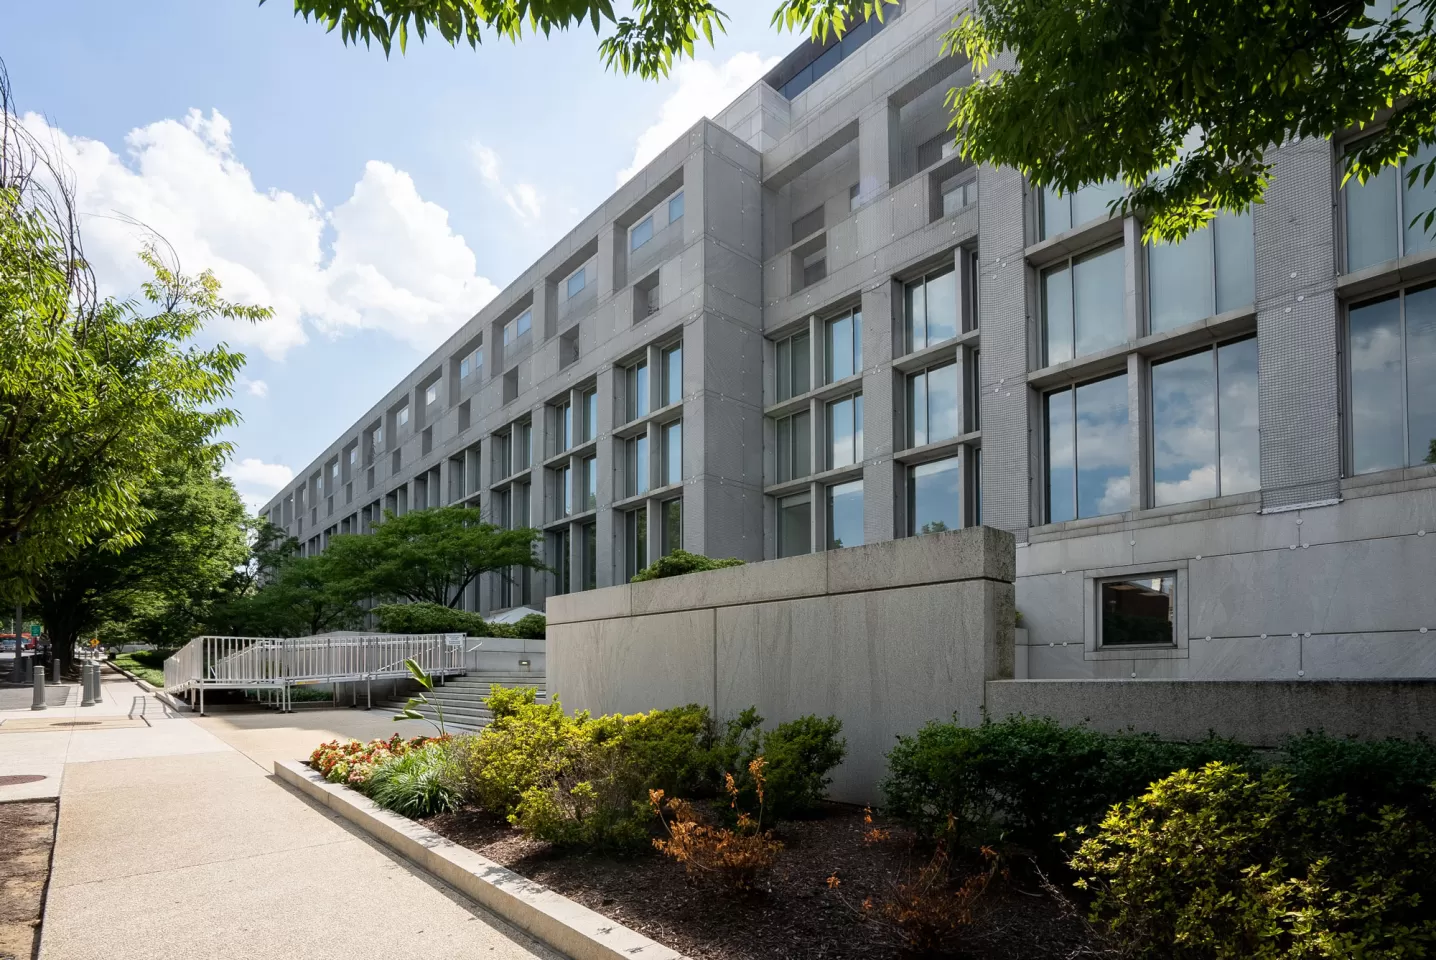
(257, 481)
(394, 263)
(700, 89)
(523, 199)
(255, 388)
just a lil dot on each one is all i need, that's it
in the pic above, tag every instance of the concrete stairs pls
(462, 698)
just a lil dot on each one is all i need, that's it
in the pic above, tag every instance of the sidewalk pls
(175, 840)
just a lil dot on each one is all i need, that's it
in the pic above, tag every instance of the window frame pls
(635, 541)
(791, 474)
(909, 404)
(854, 316)
(665, 355)
(828, 492)
(1101, 578)
(1046, 491)
(665, 531)
(401, 416)
(798, 498)
(1401, 222)
(634, 244)
(666, 453)
(581, 275)
(859, 438)
(1210, 232)
(923, 280)
(1348, 402)
(1069, 263)
(636, 376)
(792, 354)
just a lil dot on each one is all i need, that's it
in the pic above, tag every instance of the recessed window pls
(464, 368)
(635, 541)
(815, 267)
(675, 207)
(845, 515)
(431, 393)
(590, 483)
(353, 456)
(1088, 450)
(403, 416)
(523, 452)
(1062, 212)
(478, 359)
(934, 501)
(641, 233)
(1211, 271)
(563, 422)
(636, 460)
(672, 365)
(853, 194)
(503, 454)
(576, 282)
(671, 513)
(931, 151)
(672, 467)
(1392, 352)
(843, 345)
(794, 437)
(793, 362)
(932, 408)
(561, 561)
(562, 492)
(808, 224)
(845, 431)
(590, 415)
(958, 193)
(1385, 216)
(1204, 424)
(378, 438)
(590, 556)
(518, 326)
(930, 304)
(1138, 611)
(1083, 305)
(795, 525)
(637, 376)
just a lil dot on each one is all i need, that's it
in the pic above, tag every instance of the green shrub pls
(1369, 773)
(1025, 780)
(419, 783)
(437, 618)
(526, 745)
(593, 799)
(671, 750)
(1219, 862)
(679, 562)
(531, 626)
(800, 754)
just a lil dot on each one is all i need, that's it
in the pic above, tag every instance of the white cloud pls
(1116, 495)
(255, 388)
(522, 198)
(700, 89)
(257, 481)
(394, 263)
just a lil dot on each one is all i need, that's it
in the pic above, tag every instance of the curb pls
(568, 927)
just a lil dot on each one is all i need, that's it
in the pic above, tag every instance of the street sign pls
(34, 629)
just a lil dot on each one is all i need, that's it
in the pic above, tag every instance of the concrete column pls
(1137, 428)
(878, 143)
(609, 530)
(880, 410)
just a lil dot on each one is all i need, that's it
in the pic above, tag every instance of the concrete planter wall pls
(886, 637)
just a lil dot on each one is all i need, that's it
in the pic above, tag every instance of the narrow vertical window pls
(845, 515)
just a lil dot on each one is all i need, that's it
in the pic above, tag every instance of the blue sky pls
(377, 204)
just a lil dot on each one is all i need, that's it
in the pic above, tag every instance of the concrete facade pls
(808, 200)
(884, 637)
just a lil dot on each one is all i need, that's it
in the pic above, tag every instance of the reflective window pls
(672, 467)
(403, 416)
(638, 390)
(1061, 213)
(1083, 305)
(843, 345)
(641, 233)
(1392, 352)
(795, 525)
(635, 541)
(958, 192)
(1088, 450)
(562, 492)
(590, 415)
(464, 368)
(1381, 214)
(931, 308)
(523, 451)
(845, 515)
(793, 363)
(478, 359)
(977, 486)
(1211, 271)
(934, 494)
(636, 458)
(590, 483)
(794, 446)
(672, 532)
(563, 420)
(675, 207)
(561, 561)
(590, 556)
(932, 409)
(1138, 610)
(672, 363)
(1204, 424)
(845, 431)
(576, 282)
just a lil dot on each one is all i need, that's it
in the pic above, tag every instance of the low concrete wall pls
(886, 637)
(505, 655)
(1263, 713)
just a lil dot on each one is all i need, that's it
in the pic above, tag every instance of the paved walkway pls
(175, 840)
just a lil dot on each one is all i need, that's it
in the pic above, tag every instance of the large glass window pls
(503, 455)
(563, 421)
(403, 415)
(675, 207)
(1204, 424)
(1213, 270)
(562, 582)
(672, 469)
(523, 451)
(590, 556)
(930, 305)
(464, 368)
(794, 446)
(932, 409)
(576, 282)
(562, 492)
(845, 515)
(1083, 305)
(590, 415)
(590, 483)
(845, 431)
(518, 326)
(1382, 214)
(934, 497)
(672, 363)
(641, 233)
(1088, 450)
(1138, 610)
(793, 363)
(795, 525)
(635, 541)
(843, 345)
(1061, 213)
(672, 532)
(636, 458)
(1392, 352)
(638, 390)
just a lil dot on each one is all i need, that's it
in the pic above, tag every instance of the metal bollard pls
(99, 690)
(39, 702)
(86, 690)
(55, 672)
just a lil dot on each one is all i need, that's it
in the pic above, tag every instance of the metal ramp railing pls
(279, 664)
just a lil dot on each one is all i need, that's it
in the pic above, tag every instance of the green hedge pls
(436, 618)
(679, 562)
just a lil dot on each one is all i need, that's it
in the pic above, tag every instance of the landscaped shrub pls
(531, 626)
(1370, 774)
(671, 750)
(353, 761)
(799, 756)
(526, 745)
(679, 562)
(591, 800)
(437, 618)
(1219, 862)
(737, 857)
(418, 783)
(1025, 780)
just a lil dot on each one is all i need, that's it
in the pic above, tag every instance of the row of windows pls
(642, 231)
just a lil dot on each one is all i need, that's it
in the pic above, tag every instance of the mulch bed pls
(797, 916)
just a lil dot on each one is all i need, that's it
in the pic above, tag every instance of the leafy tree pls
(427, 555)
(160, 587)
(301, 596)
(1183, 101)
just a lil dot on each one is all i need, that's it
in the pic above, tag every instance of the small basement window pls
(1138, 611)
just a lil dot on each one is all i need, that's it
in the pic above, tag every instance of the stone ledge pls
(568, 927)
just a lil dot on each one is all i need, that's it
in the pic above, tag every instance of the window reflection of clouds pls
(1421, 374)
(1376, 429)
(1103, 450)
(1240, 416)
(1184, 434)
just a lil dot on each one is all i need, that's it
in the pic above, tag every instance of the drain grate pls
(77, 723)
(19, 778)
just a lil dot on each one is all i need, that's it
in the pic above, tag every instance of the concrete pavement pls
(174, 840)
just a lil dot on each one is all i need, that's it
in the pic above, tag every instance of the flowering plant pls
(353, 761)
